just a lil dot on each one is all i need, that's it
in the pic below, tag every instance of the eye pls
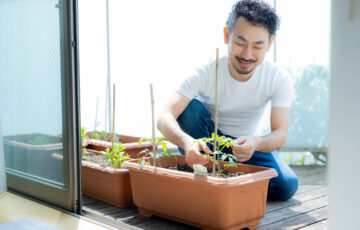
(239, 44)
(257, 47)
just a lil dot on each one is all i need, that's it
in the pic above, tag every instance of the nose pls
(247, 54)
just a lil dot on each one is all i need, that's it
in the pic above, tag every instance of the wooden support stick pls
(153, 125)
(113, 119)
(216, 110)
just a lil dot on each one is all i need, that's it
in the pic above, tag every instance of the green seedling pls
(98, 136)
(83, 139)
(117, 156)
(40, 140)
(218, 154)
(165, 153)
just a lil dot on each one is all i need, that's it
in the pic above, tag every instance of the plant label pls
(200, 169)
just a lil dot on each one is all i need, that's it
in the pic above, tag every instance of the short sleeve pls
(283, 94)
(196, 83)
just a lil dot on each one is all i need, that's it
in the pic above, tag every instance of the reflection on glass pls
(31, 89)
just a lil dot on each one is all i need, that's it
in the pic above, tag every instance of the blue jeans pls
(196, 122)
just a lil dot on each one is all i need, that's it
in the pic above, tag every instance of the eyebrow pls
(242, 38)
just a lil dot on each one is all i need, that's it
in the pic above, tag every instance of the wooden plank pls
(104, 211)
(272, 206)
(318, 179)
(321, 225)
(294, 210)
(298, 221)
(99, 205)
(88, 200)
(308, 170)
(307, 188)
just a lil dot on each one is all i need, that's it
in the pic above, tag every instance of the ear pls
(271, 41)
(226, 35)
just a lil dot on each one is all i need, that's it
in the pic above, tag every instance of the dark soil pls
(223, 172)
(101, 160)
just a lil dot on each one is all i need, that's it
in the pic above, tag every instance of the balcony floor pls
(306, 210)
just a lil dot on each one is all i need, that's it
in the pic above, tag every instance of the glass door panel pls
(38, 104)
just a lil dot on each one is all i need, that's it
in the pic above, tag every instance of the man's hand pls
(193, 155)
(245, 148)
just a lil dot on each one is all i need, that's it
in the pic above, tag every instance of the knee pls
(284, 188)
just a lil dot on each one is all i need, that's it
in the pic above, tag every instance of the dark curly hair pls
(257, 12)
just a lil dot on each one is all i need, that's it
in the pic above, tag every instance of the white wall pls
(344, 149)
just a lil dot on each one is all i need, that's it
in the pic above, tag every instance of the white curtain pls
(2, 164)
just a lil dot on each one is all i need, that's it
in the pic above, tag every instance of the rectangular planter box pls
(107, 184)
(202, 201)
(41, 160)
(131, 143)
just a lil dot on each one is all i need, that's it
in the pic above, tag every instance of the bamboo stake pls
(113, 120)
(153, 124)
(216, 110)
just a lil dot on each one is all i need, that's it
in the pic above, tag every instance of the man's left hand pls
(245, 148)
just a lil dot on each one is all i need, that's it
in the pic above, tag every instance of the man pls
(246, 84)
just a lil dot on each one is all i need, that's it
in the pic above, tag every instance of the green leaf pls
(141, 140)
(164, 146)
(223, 157)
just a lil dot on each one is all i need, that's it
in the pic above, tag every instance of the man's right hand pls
(193, 154)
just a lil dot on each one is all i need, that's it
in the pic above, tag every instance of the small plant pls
(98, 136)
(117, 156)
(218, 154)
(159, 141)
(287, 160)
(40, 140)
(83, 139)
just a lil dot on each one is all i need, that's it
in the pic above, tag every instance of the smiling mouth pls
(244, 63)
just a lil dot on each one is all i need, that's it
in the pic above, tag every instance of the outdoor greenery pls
(158, 141)
(117, 156)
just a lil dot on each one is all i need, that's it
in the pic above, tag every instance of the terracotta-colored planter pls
(131, 143)
(202, 201)
(107, 184)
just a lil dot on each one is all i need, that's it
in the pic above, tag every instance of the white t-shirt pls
(241, 104)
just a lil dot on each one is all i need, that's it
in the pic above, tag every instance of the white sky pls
(162, 41)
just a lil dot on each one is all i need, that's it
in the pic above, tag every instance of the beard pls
(240, 69)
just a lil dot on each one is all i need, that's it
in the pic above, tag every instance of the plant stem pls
(153, 125)
(113, 121)
(216, 112)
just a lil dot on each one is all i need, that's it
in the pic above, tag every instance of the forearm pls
(171, 130)
(275, 140)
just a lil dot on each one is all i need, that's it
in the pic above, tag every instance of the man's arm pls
(279, 120)
(171, 130)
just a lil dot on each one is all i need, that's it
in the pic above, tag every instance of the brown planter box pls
(131, 143)
(107, 184)
(202, 201)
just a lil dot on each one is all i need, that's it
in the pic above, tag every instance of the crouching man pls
(247, 83)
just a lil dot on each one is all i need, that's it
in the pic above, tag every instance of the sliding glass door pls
(39, 99)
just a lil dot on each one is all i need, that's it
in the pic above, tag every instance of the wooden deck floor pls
(307, 210)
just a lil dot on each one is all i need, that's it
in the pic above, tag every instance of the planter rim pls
(109, 145)
(263, 174)
(105, 169)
